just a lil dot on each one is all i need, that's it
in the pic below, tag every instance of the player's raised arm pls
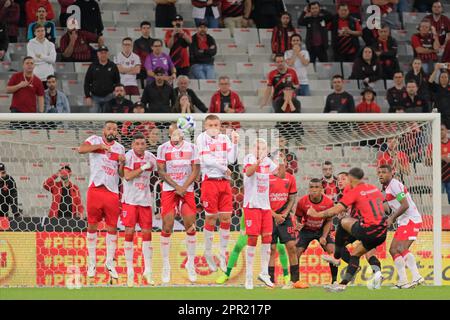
(337, 209)
(86, 147)
(233, 151)
(326, 231)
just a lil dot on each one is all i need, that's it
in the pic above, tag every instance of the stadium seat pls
(413, 17)
(247, 70)
(208, 85)
(244, 36)
(129, 19)
(82, 67)
(313, 168)
(401, 36)
(243, 86)
(73, 87)
(232, 49)
(63, 137)
(115, 32)
(329, 152)
(265, 37)
(140, 5)
(347, 69)
(113, 5)
(267, 67)
(369, 168)
(225, 69)
(221, 34)
(230, 58)
(326, 70)
(135, 33)
(108, 18)
(5, 100)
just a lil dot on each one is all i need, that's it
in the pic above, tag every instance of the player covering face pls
(136, 204)
(409, 221)
(106, 158)
(178, 167)
(369, 227)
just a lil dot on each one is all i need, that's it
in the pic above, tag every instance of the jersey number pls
(377, 208)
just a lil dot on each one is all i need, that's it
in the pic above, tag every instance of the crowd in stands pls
(142, 68)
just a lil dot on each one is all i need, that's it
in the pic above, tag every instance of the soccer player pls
(283, 196)
(409, 221)
(368, 226)
(178, 167)
(106, 159)
(216, 151)
(258, 214)
(312, 228)
(136, 204)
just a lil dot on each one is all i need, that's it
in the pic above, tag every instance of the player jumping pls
(178, 166)
(216, 151)
(136, 204)
(105, 156)
(369, 226)
(314, 228)
(409, 223)
(258, 214)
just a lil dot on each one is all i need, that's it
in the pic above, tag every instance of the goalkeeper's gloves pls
(146, 166)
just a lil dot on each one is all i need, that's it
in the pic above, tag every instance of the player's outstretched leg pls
(128, 248)
(232, 259)
(410, 261)
(375, 264)
(329, 248)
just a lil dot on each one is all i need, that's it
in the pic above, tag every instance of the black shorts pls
(284, 232)
(306, 236)
(370, 237)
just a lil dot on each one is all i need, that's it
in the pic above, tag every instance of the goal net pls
(42, 236)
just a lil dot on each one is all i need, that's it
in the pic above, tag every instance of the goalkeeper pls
(240, 245)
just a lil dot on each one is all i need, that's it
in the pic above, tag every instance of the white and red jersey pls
(178, 161)
(137, 191)
(104, 165)
(256, 187)
(215, 154)
(395, 191)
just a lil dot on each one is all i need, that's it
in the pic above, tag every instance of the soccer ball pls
(186, 124)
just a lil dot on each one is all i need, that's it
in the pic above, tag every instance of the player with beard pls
(106, 159)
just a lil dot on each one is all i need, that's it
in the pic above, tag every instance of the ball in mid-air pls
(186, 123)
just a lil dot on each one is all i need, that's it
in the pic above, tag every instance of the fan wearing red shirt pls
(277, 78)
(426, 45)
(25, 88)
(369, 227)
(312, 228)
(439, 21)
(396, 159)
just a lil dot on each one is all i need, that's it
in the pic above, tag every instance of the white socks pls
(401, 269)
(165, 248)
(265, 257)
(410, 262)
(190, 247)
(129, 250)
(209, 236)
(147, 253)
(250, 255)
(91, 239)
(224, 235)
(111, 245)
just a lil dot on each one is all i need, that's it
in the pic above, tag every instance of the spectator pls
(446, 53)
(277, 78)
(345, 31)
(66, 198)
(10, 15)
(398, 160)
(281, 35)
(91, 17)
(225, 100)
(50, 29)
(445, 160)
(366, 67)
(440, 92)
(183, 104)
(354, 7)
(413, 102)
(299, 60)
(183, 88)
(159, 59)
(315, 19)
(99, 81)
(63, 15)
(129, 65)
(206, 11)
(329, 181)
(235, 13)
(74, 44)
(118, 104)
(26, 89)
(158, 95)
(422, 5)
(55, 101)
(418, 75)
(389, 14)
(426, 45)
(179, 40)
(340, 101)
(266, 13)
(4, 41)
(165, 11)
(32, 6)
(129, 129)
(439, 21)
(8, 194)
(143, 47)
(368, 104)
(287, 102)
(386, 50)
(43, 53)
(395, 94)
(202, 51)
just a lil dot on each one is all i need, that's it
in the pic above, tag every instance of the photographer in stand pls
(178, 40)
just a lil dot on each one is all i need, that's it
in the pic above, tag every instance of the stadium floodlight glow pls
(346, 139)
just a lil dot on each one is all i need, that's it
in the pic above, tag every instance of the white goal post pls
(312, 126)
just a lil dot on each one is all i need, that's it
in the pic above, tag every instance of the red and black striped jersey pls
(232, 8)
(276, 79)
(424, 41)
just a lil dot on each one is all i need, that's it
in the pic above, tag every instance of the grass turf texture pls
(218, 293)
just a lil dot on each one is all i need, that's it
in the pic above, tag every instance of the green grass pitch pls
(218, 293)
